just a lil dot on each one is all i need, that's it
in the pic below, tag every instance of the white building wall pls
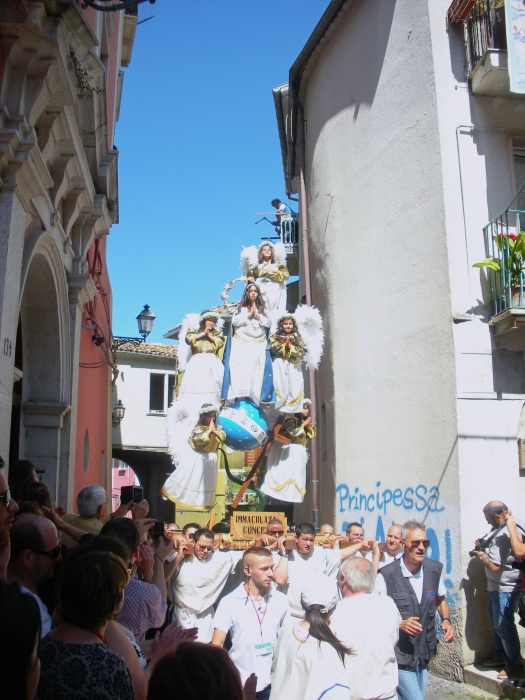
(140, 429)
(418, 423)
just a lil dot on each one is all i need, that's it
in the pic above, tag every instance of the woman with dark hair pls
(194, 481)
(198, 672)
(308, 657)
(76, 663)
(288, 350)
(19, 638)
(247, 359)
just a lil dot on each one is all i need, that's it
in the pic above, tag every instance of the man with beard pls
(35, 550)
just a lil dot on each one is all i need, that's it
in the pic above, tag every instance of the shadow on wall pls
(478, 635)
(361, 57)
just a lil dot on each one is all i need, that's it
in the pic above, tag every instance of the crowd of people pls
(96, 607)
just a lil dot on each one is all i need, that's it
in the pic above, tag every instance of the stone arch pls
(44, 319)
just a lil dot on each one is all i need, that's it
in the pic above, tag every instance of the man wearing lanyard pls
(254, 613)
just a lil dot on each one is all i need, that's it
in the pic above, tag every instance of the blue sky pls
(199, 150)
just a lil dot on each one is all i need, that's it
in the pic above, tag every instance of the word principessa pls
(420, 497)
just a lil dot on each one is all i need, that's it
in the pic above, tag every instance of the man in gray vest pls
(414, 583)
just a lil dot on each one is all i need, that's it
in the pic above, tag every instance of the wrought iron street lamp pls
(108, 6)
(118, 414)
(145, 321)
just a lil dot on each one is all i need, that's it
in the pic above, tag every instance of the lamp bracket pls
(117, 341)
(123, 5)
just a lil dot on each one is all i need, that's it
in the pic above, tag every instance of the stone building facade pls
(60, 86)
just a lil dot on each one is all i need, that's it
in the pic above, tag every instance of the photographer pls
(495, 553)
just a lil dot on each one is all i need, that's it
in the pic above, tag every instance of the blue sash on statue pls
(267, 390)
(226, 362)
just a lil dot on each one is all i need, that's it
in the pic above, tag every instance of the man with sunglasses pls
(415, 584)
(270, 540)
(8, 508)
(198, 581)
(35, 551)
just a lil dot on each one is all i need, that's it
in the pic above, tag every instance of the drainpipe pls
(308, 289)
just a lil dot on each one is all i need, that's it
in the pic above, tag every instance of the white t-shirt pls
(387, 558)
(196, 585)
(369, 626)
(47, 622)
(302, 566)
(254, 626)
(416, 581)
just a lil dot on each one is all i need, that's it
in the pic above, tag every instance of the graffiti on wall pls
(377, 509)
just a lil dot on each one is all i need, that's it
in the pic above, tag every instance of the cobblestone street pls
(438, 688)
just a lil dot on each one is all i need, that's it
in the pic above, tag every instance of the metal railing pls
(289, 233)
(504, 239)
(484, 30)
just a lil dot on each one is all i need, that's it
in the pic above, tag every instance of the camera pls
(480, 547)
(131, 493)
(520, 565)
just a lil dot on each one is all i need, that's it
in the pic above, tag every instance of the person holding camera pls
(496, 554)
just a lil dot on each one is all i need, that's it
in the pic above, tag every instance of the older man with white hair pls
(368, 625)
(92, 512)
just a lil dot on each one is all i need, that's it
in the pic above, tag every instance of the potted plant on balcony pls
(510, 264)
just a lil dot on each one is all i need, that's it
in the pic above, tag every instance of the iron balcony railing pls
(289, 233)
(505, 246)
(484, 30)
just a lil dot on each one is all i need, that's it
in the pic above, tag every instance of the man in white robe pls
(197, 582)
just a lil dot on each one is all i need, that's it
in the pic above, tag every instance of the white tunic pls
(306, 669)
(247, 355)
(194, 481)
(196, 586)
(288, 381)
(202, 381)
(274, 293)
(302, 566)
(286, 475)
(369, 626)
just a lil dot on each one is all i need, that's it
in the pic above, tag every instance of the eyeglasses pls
(417, 543)
(205, 548)
(279, 533)
(6, 497)
(53, 553)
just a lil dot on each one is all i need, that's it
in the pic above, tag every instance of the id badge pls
(263, 649)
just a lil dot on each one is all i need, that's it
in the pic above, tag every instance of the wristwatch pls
(446, 619)
(283, 554)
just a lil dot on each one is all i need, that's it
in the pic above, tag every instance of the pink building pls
(122, 475)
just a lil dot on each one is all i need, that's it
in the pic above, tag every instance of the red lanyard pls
(260, 620)
(97, 634)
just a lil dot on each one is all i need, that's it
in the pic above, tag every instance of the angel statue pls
(248, 368)
(194, 482)
(286, 474)
(266, 265)
(298, 337)
(198, 359)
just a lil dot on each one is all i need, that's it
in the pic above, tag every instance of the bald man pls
(254, 613)
(35, 550)
(392, 549)
(503, 583)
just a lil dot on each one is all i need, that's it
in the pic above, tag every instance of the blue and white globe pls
(245, 425)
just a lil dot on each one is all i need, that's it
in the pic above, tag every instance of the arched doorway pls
(38, 420)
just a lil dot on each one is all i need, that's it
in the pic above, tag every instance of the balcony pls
(486, 45)
(505, 259)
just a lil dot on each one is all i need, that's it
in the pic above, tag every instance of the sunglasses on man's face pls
(6, 497)
(416, 543)
(53, 553)
(279, 533)
(204, 548)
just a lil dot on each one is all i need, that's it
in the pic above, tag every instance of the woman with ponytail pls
(308, 658)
